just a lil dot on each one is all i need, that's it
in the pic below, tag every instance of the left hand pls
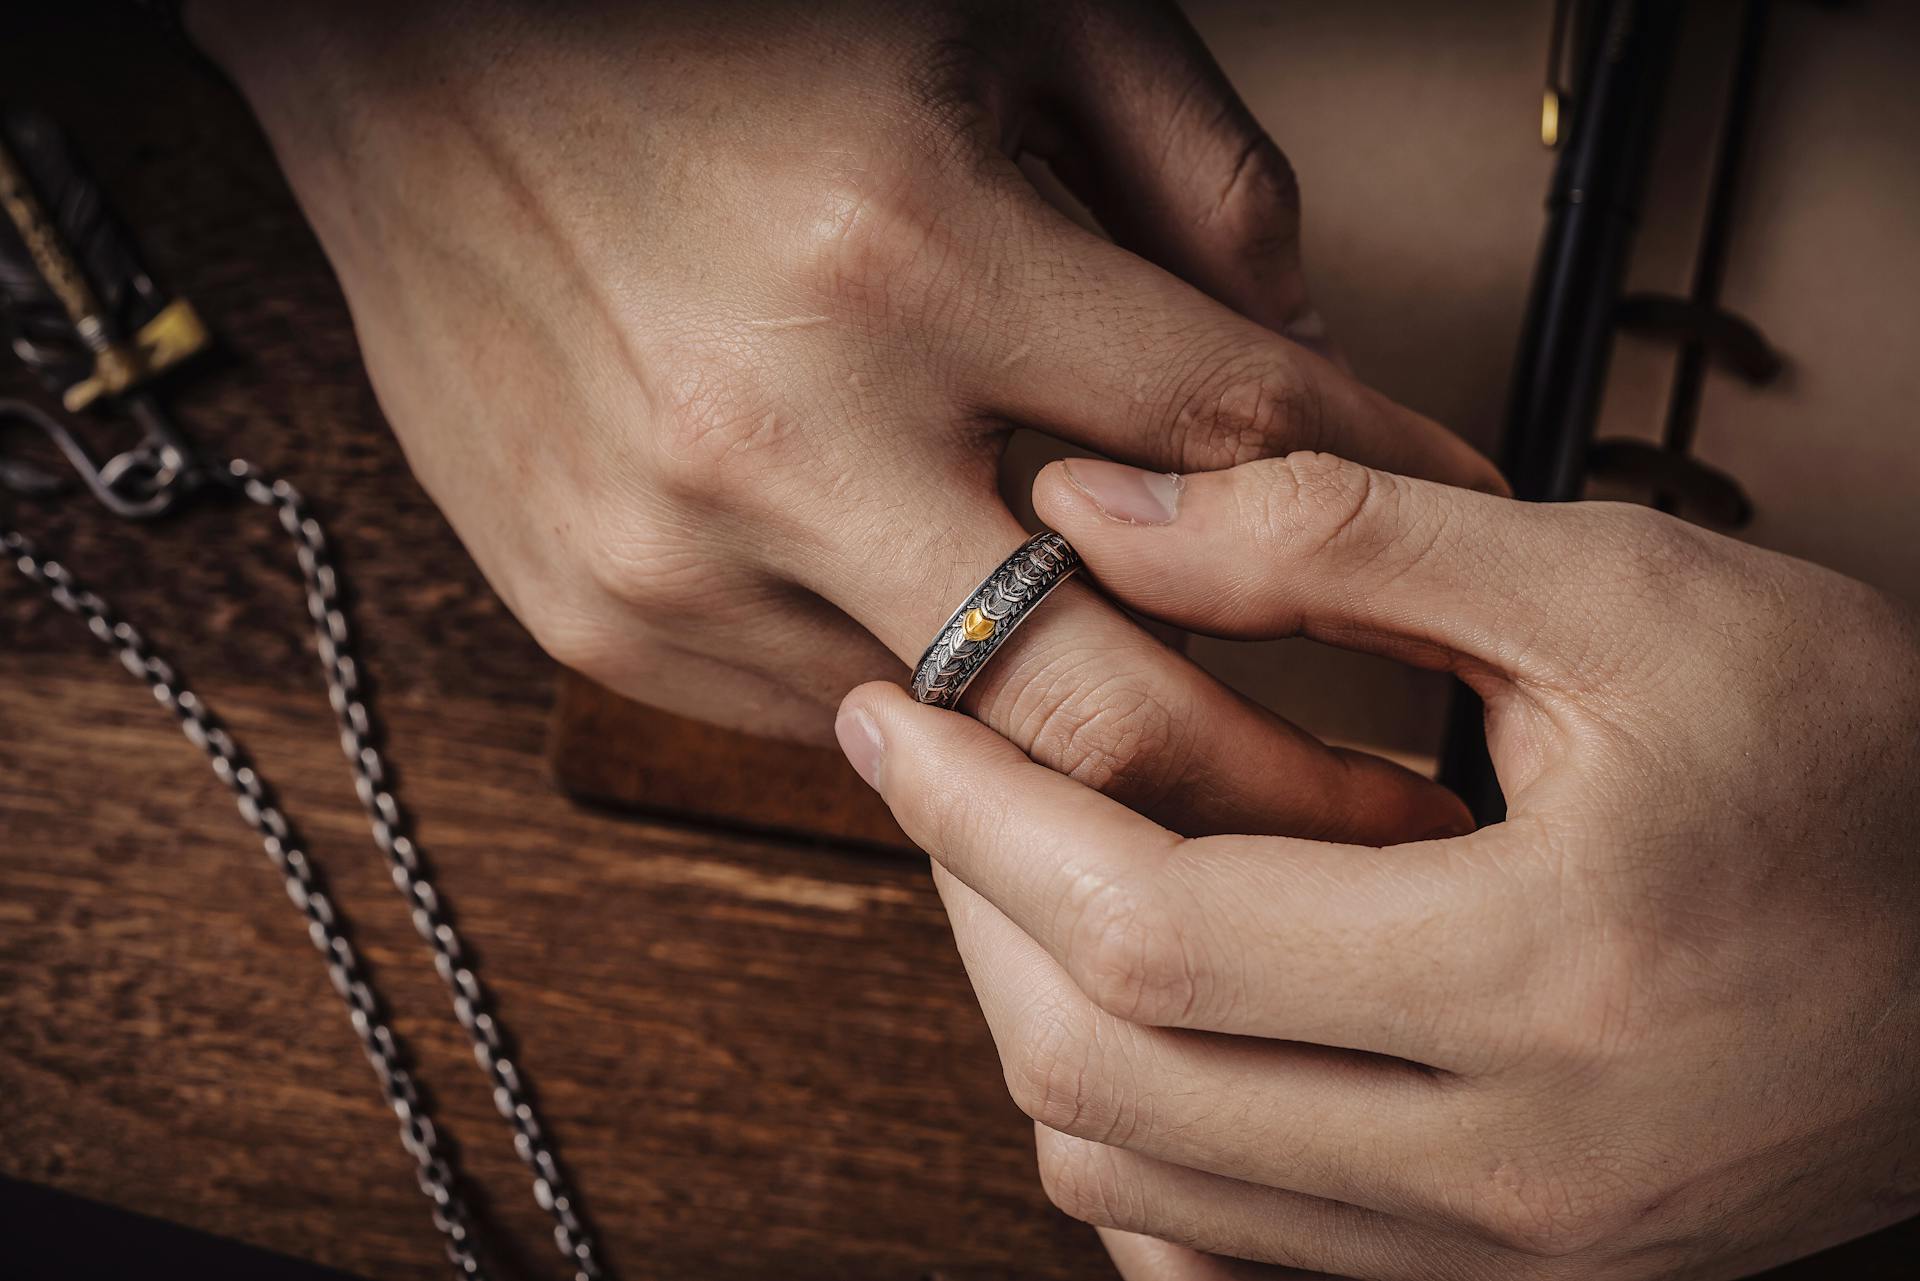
(1661, 1022)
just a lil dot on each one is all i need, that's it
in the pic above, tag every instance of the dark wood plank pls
(612, 750)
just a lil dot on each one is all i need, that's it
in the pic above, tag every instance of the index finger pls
(1414, 951)
(1097, 346)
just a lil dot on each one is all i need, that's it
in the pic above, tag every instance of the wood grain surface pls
(611, 750)
(761, 1059)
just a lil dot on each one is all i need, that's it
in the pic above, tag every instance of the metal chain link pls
(434, 1164)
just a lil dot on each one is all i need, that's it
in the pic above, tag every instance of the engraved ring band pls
(989, 615)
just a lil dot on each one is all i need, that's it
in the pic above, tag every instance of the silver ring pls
(989, 615)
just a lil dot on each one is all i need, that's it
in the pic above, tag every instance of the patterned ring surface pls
(989, 615)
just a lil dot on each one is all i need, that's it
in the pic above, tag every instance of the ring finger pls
(1086, 691)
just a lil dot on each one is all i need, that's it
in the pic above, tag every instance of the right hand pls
(1660, 1024)
(706, 325)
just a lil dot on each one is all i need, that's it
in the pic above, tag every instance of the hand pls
(706, 324)
(1664, 1021)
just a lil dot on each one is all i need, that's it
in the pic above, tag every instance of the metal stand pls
(1568, 336)
(1576, 307)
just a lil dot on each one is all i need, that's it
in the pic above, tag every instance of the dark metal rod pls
(1594, 206)
(1567, 339)
(1690, 373)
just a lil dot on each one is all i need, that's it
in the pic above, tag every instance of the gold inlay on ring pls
(976, 626)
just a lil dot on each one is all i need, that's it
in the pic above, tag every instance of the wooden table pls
(761, 1060)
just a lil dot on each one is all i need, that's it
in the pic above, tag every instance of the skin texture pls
(1661, 1022)
(706, 326)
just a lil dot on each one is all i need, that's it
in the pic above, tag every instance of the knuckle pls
(1104, 727)
(1307, 504)
(1545, 1214)
(1259, 199)
(1082, 1181)
(633, 560)
(1646, 553)
(1047, 1069)
(717, 430)
(1659, 548)
(951, 818)
(871, 246)
(585, 640)
(957, 91)
(575, 644)
(1127, 952)
(1243, 407)
(1052, 1075)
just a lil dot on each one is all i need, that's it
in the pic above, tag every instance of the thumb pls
(1156, 143)
(1501, 592)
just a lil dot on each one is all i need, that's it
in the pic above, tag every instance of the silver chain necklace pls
(151, 479)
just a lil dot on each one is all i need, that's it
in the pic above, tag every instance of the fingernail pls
(860, 740)
(1127, 493)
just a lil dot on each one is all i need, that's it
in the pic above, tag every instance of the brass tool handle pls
(119, 362)
(55, 264)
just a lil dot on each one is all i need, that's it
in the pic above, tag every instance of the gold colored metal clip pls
(176, 333)
(169, 338)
